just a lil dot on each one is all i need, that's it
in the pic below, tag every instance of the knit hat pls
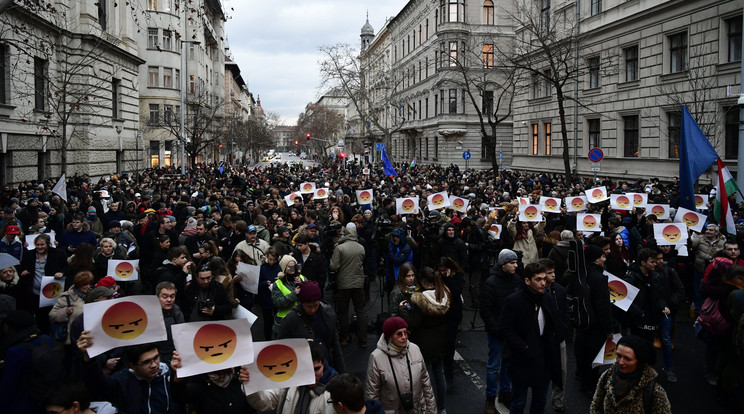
(91, 210)
(391, 325)
(284, 261)
(506, 256)
(309, 291)
(106, 281)
(592, 253)
(114, 223)
(99, 292)
(641, 347)
(281, 229)
(7, 305)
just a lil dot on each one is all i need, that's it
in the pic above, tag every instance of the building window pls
(426, 107)
(167, 5)
(545, 17)
(488, 12)
(192, 51)
(593, 125)
(167, 40)
(592, 64)
(152, 4)
(192, 84)
(167, 77)
(436, 148)
(487, 56)
(103, 13)
(548, 137)
(427, 29)
(453, 54)
(734, 39)
(535, 86)
(116, 98)
(154, 154)
(487, 103)
(630, 129)
(548, 85)
(426, 66)
(168, 114)
(732, 133)
(631, 63)
(152, 38)
(596, 7)
(152, 76)
(4, 72)
(419, 110)
(177, 79)
(453, 101)
(675, 127)
(535, 138)
(678, 52)
(40, 86)
(487, 149)
(436, 105)
(154, 114)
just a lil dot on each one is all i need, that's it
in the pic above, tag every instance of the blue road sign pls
(501, 156)
(466, 155)
(379, 146)
(595, 155)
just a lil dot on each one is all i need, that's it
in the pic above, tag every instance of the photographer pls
(206, 300)
(428, 236)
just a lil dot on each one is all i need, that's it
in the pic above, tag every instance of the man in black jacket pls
(530, 328)
(648, 305)
(451, 246)
(557, 294)
(176, 271)
(502, 283)
(310, 259)
(206, 300)
(590, 340)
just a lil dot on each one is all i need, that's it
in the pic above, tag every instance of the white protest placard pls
(670, 234)
(530, 213)
(622, 293)
(588, 222)
(307, 188)
(459, 203)
(661, 211)
(123, 270)
(248, 276)
(365, 196)
(550, 204)
(289, 199)
(31, 237)
(640, 200)
(575, 203)
(495, 231)
(365, 171)
(692, 219)
(239, 312)
(130, 320)
(596, 194)
(408, 205)
(701, 201)
(621, 202)
(608, 354)
(438, 200)
(50, 290)
(212, 345)
(280, 364)
(320, 193)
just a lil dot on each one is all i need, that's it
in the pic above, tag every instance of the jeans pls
(497, 377)
(438, 382)
(665, 334)
(539, 398)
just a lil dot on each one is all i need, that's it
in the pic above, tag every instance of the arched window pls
(488, 12)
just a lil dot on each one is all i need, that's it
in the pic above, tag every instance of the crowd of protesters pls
(319, 255)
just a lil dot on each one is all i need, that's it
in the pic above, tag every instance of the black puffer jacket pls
(493, 293)
(427, 321)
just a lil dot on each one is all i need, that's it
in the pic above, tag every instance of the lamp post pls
(183, 107)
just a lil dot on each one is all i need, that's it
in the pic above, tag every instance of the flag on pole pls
(61, 188)
(388, 166)
(413, 163)
(721, 211)
(696, 154)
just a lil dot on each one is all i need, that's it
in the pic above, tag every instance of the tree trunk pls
(494, 152)
(564, 136)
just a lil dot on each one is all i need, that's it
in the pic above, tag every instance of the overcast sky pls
(276, 42)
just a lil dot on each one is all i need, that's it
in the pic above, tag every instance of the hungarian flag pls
(726, 186)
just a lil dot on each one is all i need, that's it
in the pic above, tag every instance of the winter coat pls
(16, 397)
(599, 295)
(216, 292)
(705, 250)
(427, 321)
(14, 248)
(381, 384)
(21, 292)
(166, 348)
(58, 314)
(671, 287)
(314, 267)
(267, 275)
(397, 296)
(348, 262)
(452, 247)
(207, 397)
(397, 255)
(527, 245)
(169, 272)
(298, 324)
(493, 294)
(648, 304)
(605, 402)
(255, 251)
(282, 244)
(559, 255)
(534, 359)
(72, 238)
(284, 400)
(101, 262)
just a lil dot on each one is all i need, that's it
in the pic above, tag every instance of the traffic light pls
(297, 142)
(307, 136)
(220, 145)
(343, 155)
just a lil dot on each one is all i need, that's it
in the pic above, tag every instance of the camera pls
(206, 303)
(406, 401)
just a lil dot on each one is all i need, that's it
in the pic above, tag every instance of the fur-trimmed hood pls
(85, 228)
(427, 302)
(13, 282)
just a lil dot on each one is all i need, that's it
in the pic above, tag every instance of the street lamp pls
(183, 107)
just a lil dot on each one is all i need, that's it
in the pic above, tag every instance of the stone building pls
(68, 89)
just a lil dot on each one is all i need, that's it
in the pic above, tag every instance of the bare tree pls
(370, 86)
(254, 134)
(322, 123)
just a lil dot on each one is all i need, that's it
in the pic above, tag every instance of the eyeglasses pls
(401, 334)
(148, 362)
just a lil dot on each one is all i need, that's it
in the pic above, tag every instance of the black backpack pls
(47, 366)
(577, 290)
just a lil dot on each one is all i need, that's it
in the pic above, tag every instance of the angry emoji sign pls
(437, 200)
(215, 343)
(123, 270)
(52, 290)
(124, 320)
(277, 362)
(365, 197)
(618, 290)
(530, 212)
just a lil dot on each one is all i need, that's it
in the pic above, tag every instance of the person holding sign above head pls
(311, 398)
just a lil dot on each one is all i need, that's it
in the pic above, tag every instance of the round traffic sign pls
(466, 155)
(595, 155)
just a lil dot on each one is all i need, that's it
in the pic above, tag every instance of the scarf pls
(623, 383)
(394, 348)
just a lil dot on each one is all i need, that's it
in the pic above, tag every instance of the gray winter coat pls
(348, 262)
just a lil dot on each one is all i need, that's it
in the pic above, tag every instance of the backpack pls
(577, 290)
(711, 319)
(47, 367)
